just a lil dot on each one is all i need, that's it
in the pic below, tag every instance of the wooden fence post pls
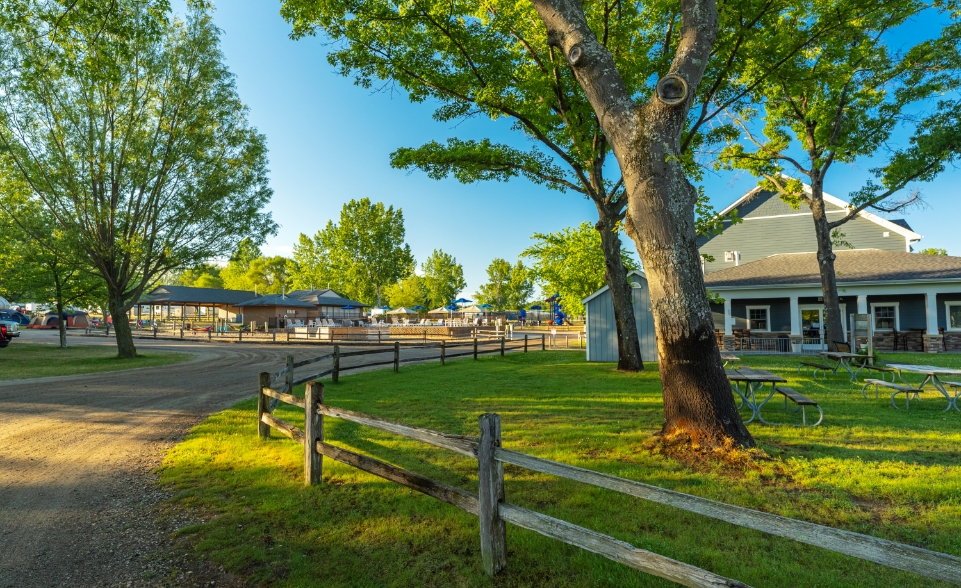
(154, 331)
(475, 347)
(208, 335)
(263, 429)
(493, 530)
(543, 342)
(502, 346)
(525, 342)
(275, 336)
(335, 375)
(396, 356)
(240, 334)
(181, 332)
(286, 330)
(313, 432)
(443, 351)
(289, 376)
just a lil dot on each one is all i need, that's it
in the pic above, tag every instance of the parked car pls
(12, 327)
(5, 337)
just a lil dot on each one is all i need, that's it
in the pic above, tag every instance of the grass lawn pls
(868, 468)
(36, 360)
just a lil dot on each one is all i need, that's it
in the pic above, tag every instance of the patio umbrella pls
(485, 306)
(418, 307)
(348, 307)
(462, 301)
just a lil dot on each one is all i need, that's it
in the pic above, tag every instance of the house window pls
(885, 316)
(953, 315)
(758, 318)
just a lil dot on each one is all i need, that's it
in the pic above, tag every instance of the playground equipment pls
(559, 318)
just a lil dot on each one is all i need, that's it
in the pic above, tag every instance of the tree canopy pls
(443, 278)
(128, 128)
(508, 287)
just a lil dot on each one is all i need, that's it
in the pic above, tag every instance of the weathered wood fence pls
(489, 502)
(475, 349)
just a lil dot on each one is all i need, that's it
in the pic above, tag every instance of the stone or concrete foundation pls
(933, 343)
(728, 342)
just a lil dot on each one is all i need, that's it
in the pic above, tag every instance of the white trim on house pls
(897, 315)
(605, 287)
(908, 234)
(767, 321)
(947, 314)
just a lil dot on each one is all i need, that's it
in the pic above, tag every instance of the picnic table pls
(931, 374)
(753, 380)
(729, 357)
(842, 359)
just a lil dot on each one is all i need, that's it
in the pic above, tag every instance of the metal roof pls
(277, 300)
(851, 266)
(325, 297)
(190, 295)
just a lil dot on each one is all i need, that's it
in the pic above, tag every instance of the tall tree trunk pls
(118, 312)
(660, 213)
(61, 321)
(615, 275)
(833, 321)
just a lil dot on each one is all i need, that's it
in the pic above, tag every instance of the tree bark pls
(61, 322)
(628, 346)
(660, 213)
(833, 321)
(121, 327)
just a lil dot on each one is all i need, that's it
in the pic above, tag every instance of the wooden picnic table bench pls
(801, 401)
(818, 367)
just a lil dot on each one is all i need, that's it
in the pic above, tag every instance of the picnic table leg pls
(763, 402)
(951, 400)
(846, 364)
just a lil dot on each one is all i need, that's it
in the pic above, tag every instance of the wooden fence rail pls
(493, 511)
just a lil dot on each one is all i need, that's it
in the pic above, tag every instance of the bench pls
(801, 401)
(955, 385)
(907, 390)
(818, 367)
(864, 365)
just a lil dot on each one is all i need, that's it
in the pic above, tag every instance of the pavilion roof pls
(190, 296)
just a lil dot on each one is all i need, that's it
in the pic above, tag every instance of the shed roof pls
(190, 295)
(277, 300)
(859, 265)
(605, 288)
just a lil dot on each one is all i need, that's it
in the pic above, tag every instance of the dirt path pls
(78, 504)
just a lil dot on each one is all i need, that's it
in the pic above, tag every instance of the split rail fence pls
(489, 505)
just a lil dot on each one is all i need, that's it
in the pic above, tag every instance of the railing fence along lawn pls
(490, 506)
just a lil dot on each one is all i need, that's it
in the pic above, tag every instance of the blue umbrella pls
(348, 307)
(462, 301)
(418, 307)
(485, 306)
(536, 307)
(384, 307)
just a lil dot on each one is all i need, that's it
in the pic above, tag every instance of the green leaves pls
(129, 131)
(443, 279)
(476, 161)
(360, 256)
(571, 263)
(508, 287)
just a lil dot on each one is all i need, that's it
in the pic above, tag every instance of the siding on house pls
(770, 226)
(601, 329)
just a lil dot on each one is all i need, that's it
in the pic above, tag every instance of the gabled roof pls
(899, 226)
(605, 288)
(851, 266)
(277, 300)
(190, 295)
(325, 297)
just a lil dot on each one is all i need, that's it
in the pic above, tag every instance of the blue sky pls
(330, 142)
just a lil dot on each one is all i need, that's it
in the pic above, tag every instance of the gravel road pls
(78, 501)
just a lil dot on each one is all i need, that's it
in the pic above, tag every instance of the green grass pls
(36, 360)
(868, 468)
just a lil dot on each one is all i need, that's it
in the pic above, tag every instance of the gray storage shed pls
(601, 330)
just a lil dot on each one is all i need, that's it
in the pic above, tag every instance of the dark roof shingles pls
(190, 295)
(869, 265)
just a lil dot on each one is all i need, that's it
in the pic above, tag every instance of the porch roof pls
(190, 296)
(852, 266)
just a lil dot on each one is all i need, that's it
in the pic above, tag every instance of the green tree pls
(203, 275)
(365, 252)
(508, 287)
(933, 251)
(128, 128)
(410, 291)
(269, 275)
(571, 263)
(40, 262)
(843, 99)
(311, 266)
(443, 278)
(235, 273)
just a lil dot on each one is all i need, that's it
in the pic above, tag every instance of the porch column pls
(727, 317)
(931, 312)
(863, 304)
(795, 317)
